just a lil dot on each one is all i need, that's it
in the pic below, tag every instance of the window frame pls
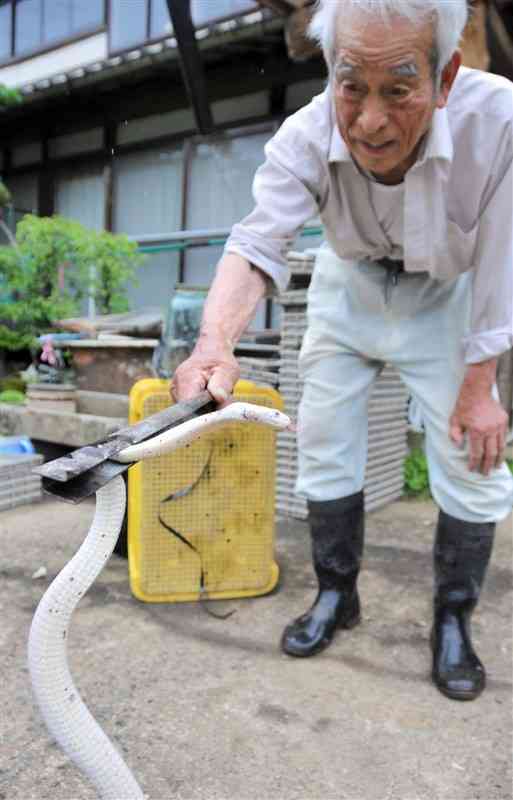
(148, 40)
(43, 48)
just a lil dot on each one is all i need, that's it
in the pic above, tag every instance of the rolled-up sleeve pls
(492, 301)
(288, 190)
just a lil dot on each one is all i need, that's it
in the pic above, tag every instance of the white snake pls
(65, 714)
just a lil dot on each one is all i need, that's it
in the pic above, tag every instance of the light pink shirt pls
(458, 201)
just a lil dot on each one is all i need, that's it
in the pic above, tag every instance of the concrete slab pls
(211, 710)
(58, 427)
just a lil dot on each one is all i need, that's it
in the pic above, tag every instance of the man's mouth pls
(375, 149)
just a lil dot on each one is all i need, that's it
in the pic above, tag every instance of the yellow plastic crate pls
(217, 493)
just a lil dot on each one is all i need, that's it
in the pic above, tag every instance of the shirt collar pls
(438, 143)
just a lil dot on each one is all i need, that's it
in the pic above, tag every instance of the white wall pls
(62, 59)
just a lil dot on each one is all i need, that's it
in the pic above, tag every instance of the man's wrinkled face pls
(385, 93)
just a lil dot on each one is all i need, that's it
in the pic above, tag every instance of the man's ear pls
(448, 77)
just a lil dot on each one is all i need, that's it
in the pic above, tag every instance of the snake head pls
(262, 415)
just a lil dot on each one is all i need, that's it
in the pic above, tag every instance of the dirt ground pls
(205, 709)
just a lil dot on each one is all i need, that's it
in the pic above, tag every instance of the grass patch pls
(416, 475)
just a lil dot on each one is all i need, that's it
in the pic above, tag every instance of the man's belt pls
(393, 266)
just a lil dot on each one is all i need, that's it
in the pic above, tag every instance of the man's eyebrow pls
(345, 67)
(409, 70)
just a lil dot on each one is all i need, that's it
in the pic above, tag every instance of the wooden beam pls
(280, 7)
(299, 46)
(109, 139)
(474, 47)
(45, 184)
(191, 64)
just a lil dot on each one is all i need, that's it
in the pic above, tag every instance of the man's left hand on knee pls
(480, 418)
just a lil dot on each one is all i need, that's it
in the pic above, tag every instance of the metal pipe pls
(181, 240)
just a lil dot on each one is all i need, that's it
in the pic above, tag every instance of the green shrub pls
(10, 97)
(12, 382)
(12, 396)
(416, 475)
(509, 462)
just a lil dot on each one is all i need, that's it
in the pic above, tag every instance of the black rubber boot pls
(461, 555)
(337, 528)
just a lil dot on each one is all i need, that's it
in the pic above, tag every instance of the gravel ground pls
(212, 710)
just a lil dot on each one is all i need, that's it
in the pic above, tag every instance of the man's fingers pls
(218, 392)
(457, 434)
(221, 385)
(476, 452)
(182, 390)
(490, 455)
(501, 449)
(217, 372)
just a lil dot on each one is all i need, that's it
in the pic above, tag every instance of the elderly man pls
(408, 160)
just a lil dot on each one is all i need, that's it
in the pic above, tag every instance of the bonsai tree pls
(9, 97)
(48, 274)
(115, 260)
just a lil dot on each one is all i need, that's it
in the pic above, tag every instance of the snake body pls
(64, 712)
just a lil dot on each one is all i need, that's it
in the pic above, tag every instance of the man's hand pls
(211, 366)
(481, 418)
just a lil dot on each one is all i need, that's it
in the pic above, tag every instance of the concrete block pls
(73, 430)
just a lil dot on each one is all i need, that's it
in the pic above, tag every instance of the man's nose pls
(373, 117)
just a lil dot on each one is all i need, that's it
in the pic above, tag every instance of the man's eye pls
(351, 88)
(398, 92)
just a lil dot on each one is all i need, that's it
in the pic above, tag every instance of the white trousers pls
(357, 320)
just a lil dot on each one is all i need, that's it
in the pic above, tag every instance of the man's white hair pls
(450, 18)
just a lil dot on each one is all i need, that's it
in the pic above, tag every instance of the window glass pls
(80, 195)
(204, 11)
(56, 20)
(42, 22)
(128, 22)
(28, 25)
(148, 199)
(86, 14)
(219, 194)
(5, 31)
(148, 192)
(156, 280)
(160, 22)
(224, 169)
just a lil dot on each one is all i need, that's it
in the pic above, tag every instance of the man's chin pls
(386, 170)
